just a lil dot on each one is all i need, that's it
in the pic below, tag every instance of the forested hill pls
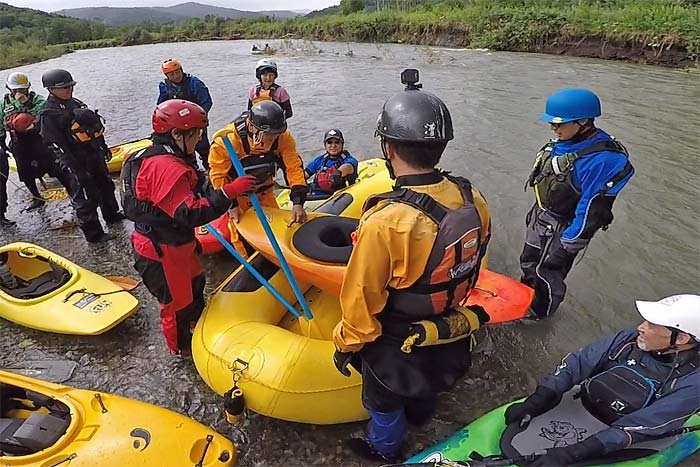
(175, 13)
(661, 32)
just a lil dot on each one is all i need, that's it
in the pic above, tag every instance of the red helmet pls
(20, 122)
(178, 114)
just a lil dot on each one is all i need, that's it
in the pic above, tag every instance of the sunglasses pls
(333, 141)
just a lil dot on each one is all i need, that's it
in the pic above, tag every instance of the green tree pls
(351, 6)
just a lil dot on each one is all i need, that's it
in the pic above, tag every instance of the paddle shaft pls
(268, 231)
(254, 272)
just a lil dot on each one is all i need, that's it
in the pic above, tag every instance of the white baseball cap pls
(680, 312)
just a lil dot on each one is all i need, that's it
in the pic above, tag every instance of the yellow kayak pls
(49, 425)
(53, 294)
(119, 154)
(373, 176)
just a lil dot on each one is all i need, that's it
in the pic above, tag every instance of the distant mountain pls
(176, 13)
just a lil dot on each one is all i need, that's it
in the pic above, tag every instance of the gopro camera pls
(409, 77)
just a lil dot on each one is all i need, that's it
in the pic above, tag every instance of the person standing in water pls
(267, 89)
(180, 85)
(576, 178)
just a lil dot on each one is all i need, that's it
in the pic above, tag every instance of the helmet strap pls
(389, 167)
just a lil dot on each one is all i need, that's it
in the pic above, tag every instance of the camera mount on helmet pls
(409, 77)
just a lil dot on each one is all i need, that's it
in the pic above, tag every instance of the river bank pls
(655, 32)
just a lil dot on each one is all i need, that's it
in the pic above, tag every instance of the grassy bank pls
(661, 32)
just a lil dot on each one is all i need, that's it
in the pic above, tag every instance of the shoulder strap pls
(421, 201)
(465, 186)
(608, 145)
(242, 131)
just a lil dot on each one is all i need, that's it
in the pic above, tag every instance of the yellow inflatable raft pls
(49, 425)
(52, 294)
(283, 364)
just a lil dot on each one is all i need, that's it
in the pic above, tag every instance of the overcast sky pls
(53, 5)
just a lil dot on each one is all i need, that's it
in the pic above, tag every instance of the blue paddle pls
(254, 272)
(268, 231)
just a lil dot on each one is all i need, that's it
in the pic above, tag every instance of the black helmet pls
(333, 133)
(268, 116)
(57, 78)
(415, 116)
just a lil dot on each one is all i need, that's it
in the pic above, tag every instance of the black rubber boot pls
(5, 222)
(35, 204)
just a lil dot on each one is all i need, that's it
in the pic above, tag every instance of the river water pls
(651, 250)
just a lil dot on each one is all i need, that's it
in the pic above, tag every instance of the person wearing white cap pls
(20, 100)
(643, 383)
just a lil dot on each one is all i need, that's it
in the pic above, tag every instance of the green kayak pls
(566, 424)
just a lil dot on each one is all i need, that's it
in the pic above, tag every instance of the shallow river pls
(651, 250)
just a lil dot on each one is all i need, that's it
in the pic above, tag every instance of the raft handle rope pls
(210, 438)
(234, 403)
(268, 231)
(477, 460)
(87, 292)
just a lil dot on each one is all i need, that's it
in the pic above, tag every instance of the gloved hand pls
(107, 155)
(590, 448)
(536, 404)
(337, 181)
(480, 313)
(342, 360)
(240, 186)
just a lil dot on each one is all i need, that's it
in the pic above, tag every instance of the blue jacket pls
(589, 175)
(679, 400)
(191, 89)
(325, 161)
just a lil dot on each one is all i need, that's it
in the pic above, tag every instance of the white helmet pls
(680, 312)
(265, 63)
(17, 80)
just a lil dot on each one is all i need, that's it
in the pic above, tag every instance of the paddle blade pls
(125, 283)
(503, 298)
(54, 371)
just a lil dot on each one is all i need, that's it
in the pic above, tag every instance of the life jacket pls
(627, 383)
(150, 220)
(322, 176)
(180, 91)
(86, 126)
(264, 94)
(552, 179)
(261, 166)
(455, 258)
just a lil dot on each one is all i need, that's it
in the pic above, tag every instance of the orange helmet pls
(170, 65)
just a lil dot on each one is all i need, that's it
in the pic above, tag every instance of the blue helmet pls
(568, 105)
